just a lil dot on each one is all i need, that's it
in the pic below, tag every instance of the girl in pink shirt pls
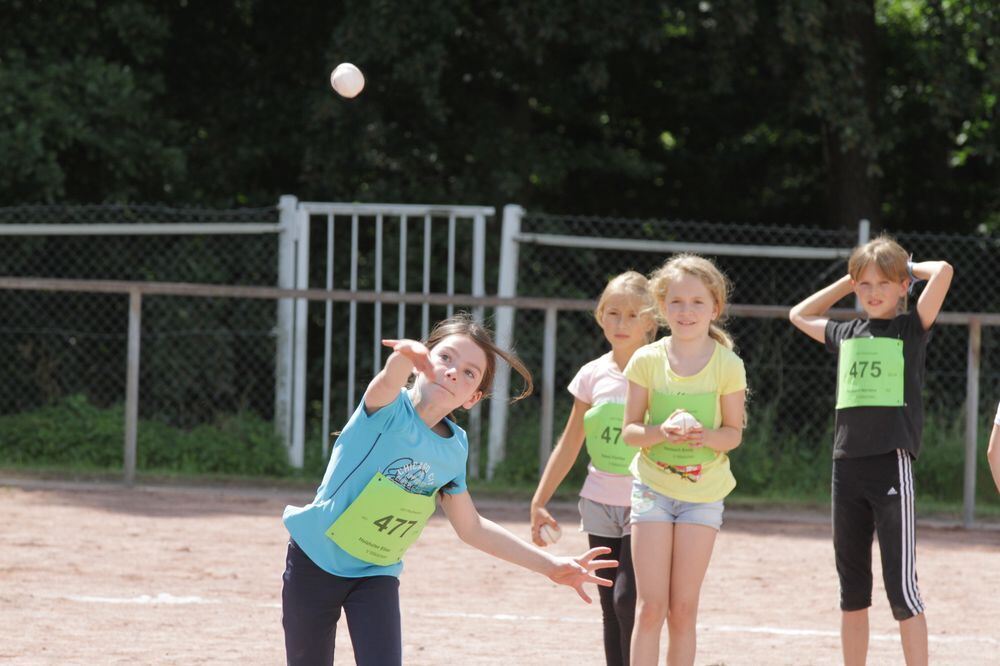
(626, 314)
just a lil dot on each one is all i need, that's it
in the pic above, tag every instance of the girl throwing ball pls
(397, 456)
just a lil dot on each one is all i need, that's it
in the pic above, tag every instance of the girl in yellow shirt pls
(693, 387)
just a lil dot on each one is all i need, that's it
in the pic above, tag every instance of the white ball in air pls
(347, 80)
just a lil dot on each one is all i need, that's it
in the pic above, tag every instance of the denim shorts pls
(649, 506)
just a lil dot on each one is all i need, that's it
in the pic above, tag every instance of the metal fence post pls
(132, 383)
(296, 452)
(478, 289)
(971, 422)
(548, 388)
(506, 287)
(864, 234)
(286, 323)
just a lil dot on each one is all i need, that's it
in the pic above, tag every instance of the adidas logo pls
(892, 491)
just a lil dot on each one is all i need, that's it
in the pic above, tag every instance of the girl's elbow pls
(466, 532)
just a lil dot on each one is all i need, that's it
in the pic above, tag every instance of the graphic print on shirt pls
(411, 476)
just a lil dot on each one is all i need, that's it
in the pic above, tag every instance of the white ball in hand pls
(683, 422)
(549, 534)
(347, 80)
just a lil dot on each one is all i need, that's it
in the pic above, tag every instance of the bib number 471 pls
(385, 523)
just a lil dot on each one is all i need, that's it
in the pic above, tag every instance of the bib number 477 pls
(385, 523)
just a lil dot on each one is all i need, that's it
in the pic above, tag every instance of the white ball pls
(549, 534)
(347, 80)
(684, 422)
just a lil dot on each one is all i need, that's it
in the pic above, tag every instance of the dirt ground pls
(97, 574)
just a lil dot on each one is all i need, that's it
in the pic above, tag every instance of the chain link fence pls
(792, 379)
(209, 360)
(203, 360)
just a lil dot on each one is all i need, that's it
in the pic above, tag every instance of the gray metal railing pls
(550, 306)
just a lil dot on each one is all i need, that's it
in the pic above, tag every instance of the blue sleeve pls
(387, 417)
(456, 485)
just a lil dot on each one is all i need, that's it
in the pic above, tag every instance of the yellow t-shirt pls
(723, 374)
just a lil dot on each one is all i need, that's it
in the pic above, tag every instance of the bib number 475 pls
(873, 368)
(385, 523)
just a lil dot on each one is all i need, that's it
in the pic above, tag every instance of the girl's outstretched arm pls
(556, 469)
(938, 275)
(993, 455)
(406, 356)
(490, 538)
(808, 316)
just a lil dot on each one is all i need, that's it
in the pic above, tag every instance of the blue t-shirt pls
(395, 442)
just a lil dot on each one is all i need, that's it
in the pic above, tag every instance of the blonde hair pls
(634, 285)
(464, 324)
(715, 281)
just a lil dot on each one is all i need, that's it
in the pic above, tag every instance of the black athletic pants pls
(873, 495)
(617, 602)
(311, 603)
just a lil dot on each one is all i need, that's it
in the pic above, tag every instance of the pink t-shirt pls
(598, 382)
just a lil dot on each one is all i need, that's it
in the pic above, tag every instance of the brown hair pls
(464, 324)
(888, 256)
(715, 281)
(635, 285)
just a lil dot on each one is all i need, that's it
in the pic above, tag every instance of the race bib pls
(870, 373)
(701, 406)
(603, 426)
(382, 522)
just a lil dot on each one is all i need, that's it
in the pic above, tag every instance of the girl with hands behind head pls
(878, 431)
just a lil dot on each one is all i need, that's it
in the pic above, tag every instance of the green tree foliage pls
(804, 111)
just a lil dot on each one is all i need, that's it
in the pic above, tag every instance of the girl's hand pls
(415, 352)
(695, 438)
(575, 571)
(541, 516)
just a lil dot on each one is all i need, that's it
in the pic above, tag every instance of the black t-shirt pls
(870, 431)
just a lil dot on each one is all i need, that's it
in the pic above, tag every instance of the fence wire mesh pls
(203, 360)
(206, 361)
(792, 379)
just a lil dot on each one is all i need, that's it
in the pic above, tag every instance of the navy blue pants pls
(312, 600)
(617, 602)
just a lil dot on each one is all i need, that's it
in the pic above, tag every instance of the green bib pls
(699, 405)
(603, 426)
(870, 373)
(382, 522)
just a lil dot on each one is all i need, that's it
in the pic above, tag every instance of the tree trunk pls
(853, 189)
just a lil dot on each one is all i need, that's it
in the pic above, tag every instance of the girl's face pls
(623, 323)
(879, 295)
(689, 308)
(459, 364)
